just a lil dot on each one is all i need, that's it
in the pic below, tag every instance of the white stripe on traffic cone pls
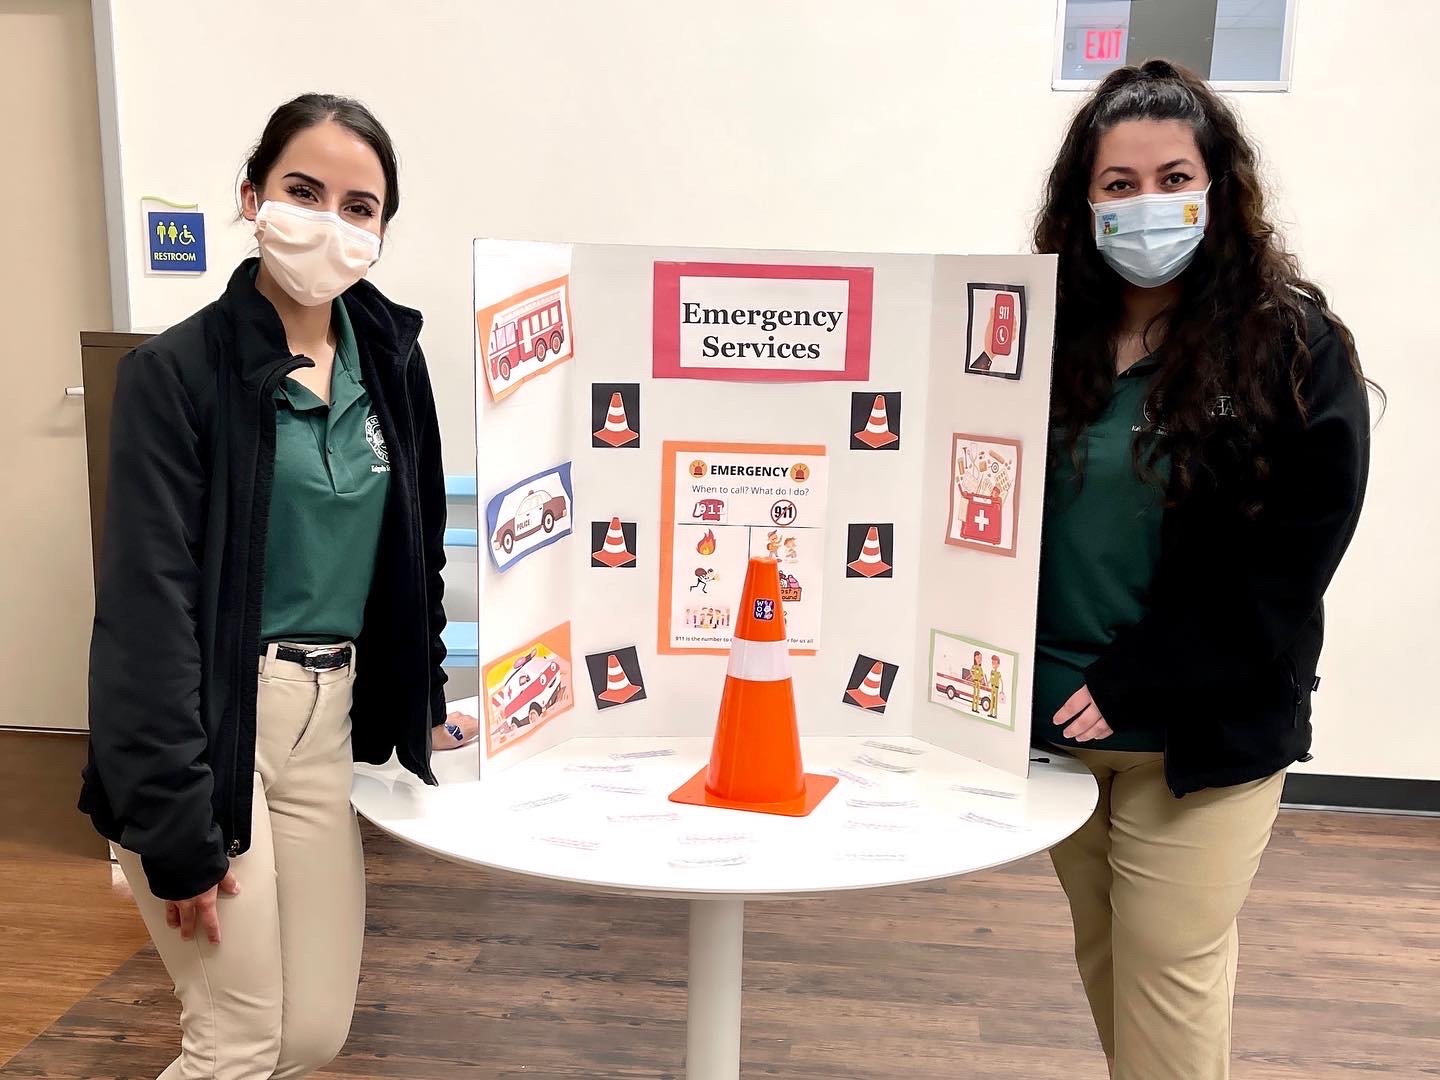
(616, 431)
(867, 694)
(877, 432)
(869, 564)
(618, 687)
(614, 552)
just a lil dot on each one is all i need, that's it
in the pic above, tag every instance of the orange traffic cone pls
(755, 758)
(877, 432)
(616, 431)
(868, 694)
(614, 552)
(870, 563)
(618, 687)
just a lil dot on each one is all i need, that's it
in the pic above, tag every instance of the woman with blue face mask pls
(1208, 460)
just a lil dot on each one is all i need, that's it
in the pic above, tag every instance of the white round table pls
(594, 813)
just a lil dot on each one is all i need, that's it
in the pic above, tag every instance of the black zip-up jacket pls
(1225, 659)
(176, 642)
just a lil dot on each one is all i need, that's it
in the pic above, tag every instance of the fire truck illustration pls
(533, 686)
(528, 331)
(537, 512)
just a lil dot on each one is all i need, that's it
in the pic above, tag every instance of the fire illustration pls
(706, 546)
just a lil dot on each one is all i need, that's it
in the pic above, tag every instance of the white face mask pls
(1149, 240)
(314, 255)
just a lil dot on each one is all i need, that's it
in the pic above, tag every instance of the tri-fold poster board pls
(649, 418)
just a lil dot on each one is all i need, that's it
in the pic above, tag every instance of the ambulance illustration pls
(952, 686)
(533, 685)
(958, 686)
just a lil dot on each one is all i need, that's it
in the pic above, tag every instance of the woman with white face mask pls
(269, 604)
(1208, 460)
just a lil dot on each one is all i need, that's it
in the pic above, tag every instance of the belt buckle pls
(323, 660)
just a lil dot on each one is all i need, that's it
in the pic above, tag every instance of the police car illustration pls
(537, 512)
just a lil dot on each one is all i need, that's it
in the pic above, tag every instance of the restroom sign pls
(174, 238)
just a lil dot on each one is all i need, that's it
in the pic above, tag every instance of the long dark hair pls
(1238, 327)
(306, 111)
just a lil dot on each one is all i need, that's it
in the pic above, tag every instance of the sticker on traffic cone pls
(877, 432)
(614, 552)
(618, 687)
(755, 758)
(870, 563)
(867, 695)
(616, 431)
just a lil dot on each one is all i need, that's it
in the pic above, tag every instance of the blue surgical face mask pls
(1149, 240)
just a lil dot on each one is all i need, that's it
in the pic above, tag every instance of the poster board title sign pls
(758, 322)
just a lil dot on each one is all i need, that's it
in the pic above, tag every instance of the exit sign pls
(1103, 46)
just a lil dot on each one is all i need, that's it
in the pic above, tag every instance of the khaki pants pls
(1155, 884)
(276, 996)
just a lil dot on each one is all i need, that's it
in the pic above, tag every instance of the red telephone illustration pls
(709, 510)
(1002, 325)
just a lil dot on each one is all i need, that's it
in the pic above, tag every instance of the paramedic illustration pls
(995, 686)
(977, 681)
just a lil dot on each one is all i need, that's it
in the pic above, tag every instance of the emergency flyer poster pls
(721, 503)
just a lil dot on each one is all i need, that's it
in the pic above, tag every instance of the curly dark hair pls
(1237, 327)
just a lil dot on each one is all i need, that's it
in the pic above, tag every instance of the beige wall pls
(816, 124)
(53, 284)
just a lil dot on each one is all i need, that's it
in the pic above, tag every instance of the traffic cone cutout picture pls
(755, 758)
(868, 695)
(618, 687)
(877, 433)
(616, 431)
(614, 552)
(870, 563)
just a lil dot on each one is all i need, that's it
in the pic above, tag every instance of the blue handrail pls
(459, 487)
(461, 645)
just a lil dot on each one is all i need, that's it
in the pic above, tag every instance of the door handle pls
(74, 391)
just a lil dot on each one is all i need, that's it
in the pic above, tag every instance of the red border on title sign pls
(859, 309)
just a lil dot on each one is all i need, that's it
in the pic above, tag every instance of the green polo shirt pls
(1097, 562)
(332, 477)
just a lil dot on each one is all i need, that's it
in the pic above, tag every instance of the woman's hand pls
(444, 736)
(1083, 717)
(183, 915)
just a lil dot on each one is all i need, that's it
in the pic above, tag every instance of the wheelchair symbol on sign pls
(181, 236)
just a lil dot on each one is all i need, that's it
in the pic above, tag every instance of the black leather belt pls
(320, 658)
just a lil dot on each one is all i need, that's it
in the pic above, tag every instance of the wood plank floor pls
(63, 925)
(471, 975)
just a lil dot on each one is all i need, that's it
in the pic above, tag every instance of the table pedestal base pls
(717, 947)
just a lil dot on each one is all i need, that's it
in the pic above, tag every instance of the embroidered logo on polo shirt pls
(376, 438)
